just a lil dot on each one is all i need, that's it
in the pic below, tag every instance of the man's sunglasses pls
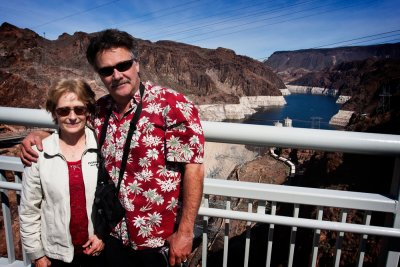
(65, 111)
(122, 66)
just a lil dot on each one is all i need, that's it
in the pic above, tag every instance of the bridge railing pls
(226, 204)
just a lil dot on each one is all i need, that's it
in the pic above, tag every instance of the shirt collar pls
(135, 100)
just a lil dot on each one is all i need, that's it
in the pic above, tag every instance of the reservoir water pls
(305, 111)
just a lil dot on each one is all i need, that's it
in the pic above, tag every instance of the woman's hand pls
(94, 246)
(42, 262)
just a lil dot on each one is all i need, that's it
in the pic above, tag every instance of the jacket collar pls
(52, 147)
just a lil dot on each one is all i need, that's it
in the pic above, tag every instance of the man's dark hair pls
(107, 39)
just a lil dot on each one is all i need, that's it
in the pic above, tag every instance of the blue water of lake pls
(305, 111)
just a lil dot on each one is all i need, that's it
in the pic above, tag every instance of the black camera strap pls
(132, 128)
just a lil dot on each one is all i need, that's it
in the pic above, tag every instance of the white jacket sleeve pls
(30, 212)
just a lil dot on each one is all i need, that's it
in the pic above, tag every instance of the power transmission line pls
(262, 12)
(255, 13)
(262, 26)
(364, 41)
(150, 15)
(249, 23)
(390, 41)
(75, 14)
(210, 16)
(147, 16)
(377, 39)
(358, 38)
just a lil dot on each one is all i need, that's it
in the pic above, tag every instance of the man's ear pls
(137, 67)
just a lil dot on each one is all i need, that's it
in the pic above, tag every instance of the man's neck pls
(124, 104)
(122, 108)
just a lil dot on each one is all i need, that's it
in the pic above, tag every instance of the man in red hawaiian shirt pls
(164, 166)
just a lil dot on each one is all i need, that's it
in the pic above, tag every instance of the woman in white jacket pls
(58, 190)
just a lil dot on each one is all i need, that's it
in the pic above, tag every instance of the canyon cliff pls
(291, 65)
(30, 64)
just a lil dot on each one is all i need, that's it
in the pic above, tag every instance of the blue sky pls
(252, 28)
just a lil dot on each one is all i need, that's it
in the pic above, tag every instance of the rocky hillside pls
(29, 64)
(290, 65)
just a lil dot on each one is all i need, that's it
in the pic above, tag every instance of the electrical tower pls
(316, 122)
(384, 103)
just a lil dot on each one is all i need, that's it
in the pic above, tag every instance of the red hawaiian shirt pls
(168, 134)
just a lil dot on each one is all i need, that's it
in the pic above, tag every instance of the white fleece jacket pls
(45, 201)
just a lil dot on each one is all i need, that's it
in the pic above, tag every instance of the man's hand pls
(181, 241)
(180, 247)
(94, 246)
(42, 262)
(28, 155)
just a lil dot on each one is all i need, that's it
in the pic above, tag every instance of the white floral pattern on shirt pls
(168, 134)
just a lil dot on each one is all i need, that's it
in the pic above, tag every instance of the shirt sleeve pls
(184, 134)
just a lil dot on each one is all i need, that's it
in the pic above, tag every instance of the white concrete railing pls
(266, 197)
(261, 135)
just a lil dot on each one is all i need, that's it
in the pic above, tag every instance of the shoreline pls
(247, 106)
(250, 105)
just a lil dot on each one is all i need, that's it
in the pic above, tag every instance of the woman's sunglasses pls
(122, 66)
(65, 111)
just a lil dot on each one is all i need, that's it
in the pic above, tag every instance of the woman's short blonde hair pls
(77, 86)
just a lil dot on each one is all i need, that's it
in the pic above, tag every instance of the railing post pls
(226, 235)
(394, 246)
(339, 240)
(25, 258)
(248, 236)
(205, 232)
(316, 238)
(363, 239)
(5, 205)
(271, 235)
(293, 233)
